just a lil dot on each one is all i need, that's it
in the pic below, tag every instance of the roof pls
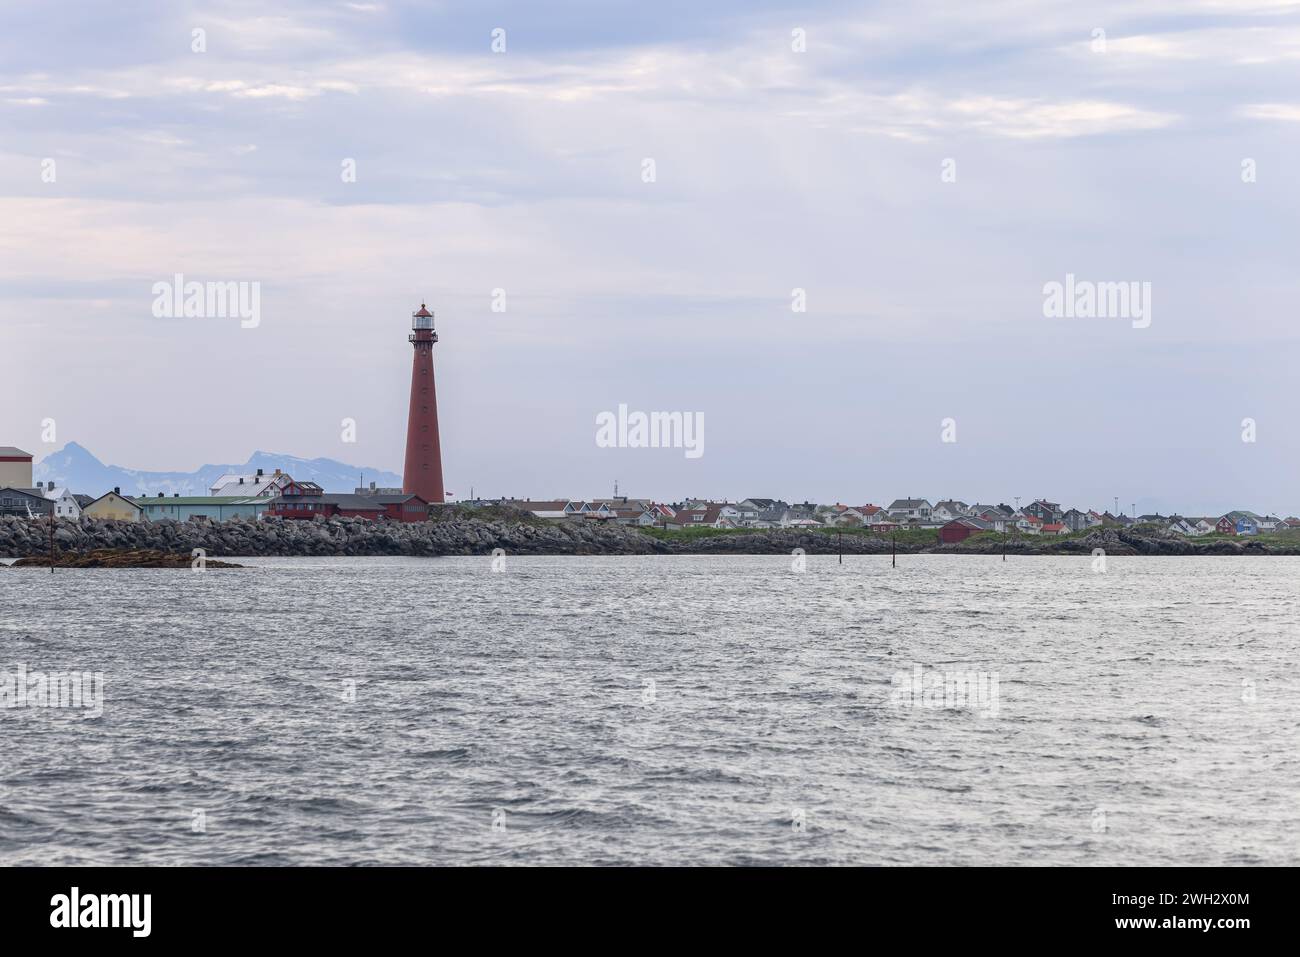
(706, 515)
(424, 313)
(384, 498)
(9, 452)
(368, 503)
(145, 501)
(243, 486)
(908, 503)
(29, 492)
(951, 504)
(114, 495)
(1053, 527)
(975, 523)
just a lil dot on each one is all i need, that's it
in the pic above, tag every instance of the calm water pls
(658, 710)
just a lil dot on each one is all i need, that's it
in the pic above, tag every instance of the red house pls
(960, 529)
(400, 508)
(1225, 526)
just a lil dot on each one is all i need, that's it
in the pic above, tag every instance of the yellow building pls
(15, 467)
(113, 506)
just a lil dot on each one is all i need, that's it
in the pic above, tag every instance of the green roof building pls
(216, 508)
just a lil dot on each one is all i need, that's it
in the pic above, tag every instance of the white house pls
(251, 486)
(917, 508)
(948, 510)
(739, 515)
(849, 517)
(65, 503)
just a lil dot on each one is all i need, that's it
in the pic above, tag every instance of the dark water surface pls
(655, 710)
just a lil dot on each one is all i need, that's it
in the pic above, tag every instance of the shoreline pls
(462, 534)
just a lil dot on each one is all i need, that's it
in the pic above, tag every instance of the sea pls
(657, 710)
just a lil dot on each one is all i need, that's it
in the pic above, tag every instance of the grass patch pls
(690, 534)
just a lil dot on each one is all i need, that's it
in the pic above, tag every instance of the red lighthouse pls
(423, 471)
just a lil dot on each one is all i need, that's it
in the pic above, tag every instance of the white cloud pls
(1285, 112)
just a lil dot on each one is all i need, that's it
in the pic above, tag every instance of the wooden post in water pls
(893, 542)
(51, 538)
(841, 548)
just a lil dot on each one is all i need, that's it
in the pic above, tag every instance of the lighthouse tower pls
(423, 471)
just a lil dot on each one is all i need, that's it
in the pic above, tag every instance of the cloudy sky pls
(1111, 141)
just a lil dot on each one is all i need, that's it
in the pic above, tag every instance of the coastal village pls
(952, 520)
(260, 495)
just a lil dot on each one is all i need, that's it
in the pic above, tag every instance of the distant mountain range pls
(75, 467)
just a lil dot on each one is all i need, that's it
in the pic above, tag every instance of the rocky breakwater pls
(460, 532)
(455, 534)
(1141, 540)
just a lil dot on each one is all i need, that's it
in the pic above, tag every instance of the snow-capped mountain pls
(76, 468)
